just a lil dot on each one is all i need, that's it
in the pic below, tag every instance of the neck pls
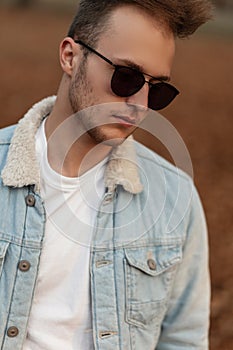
(71, 151)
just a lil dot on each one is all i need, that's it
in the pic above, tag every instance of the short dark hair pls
(182, 17)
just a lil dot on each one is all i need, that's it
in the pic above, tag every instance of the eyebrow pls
(139, 68)
(127, 62)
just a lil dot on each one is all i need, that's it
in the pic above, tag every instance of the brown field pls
(202, 114)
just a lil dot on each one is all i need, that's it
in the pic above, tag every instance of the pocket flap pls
(3, 248)
(154, 260)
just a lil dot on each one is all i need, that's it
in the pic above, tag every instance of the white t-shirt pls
(61, 312)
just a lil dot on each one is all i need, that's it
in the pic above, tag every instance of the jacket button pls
(30, 200)
(24, 265)
(12, 332)
(151, 263)
(108, 198)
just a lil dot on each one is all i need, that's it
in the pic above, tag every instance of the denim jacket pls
(149, 252)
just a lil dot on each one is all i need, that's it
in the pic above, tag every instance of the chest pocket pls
(3, 249)
(149, 274)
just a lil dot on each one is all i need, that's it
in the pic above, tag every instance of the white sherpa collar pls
(22, 168)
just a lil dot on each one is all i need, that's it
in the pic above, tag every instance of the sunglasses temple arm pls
(94, 51)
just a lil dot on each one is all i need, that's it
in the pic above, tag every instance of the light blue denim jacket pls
(149, 254)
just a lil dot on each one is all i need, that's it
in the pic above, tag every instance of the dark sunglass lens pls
(126, 81)
(160, 95)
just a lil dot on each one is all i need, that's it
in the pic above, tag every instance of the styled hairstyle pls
(181, 17)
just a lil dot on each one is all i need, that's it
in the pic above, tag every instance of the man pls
(102, 243)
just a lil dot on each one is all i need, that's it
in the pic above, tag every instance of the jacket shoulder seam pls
(161, 162)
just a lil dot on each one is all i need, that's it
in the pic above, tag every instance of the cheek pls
(99, 77)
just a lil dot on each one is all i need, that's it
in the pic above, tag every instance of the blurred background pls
(31, 31)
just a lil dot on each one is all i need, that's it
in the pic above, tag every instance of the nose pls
(140, 98)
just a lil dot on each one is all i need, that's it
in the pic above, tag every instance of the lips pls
(125, 120)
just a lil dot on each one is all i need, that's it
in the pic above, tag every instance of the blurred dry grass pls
(202, 115)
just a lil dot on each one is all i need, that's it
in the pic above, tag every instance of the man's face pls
(132, 39)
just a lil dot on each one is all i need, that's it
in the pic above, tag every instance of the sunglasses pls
(127, 81)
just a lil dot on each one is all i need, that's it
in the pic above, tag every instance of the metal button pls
(108, 197)
(152, 264)
(12, 332)
(30, 200)
(24, 265)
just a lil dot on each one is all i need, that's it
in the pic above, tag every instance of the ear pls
(69, 52)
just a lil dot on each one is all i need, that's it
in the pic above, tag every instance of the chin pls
(109, 136)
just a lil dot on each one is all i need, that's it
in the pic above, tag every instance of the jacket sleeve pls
(186, 323)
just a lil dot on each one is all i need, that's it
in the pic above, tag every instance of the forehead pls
(134, 35)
